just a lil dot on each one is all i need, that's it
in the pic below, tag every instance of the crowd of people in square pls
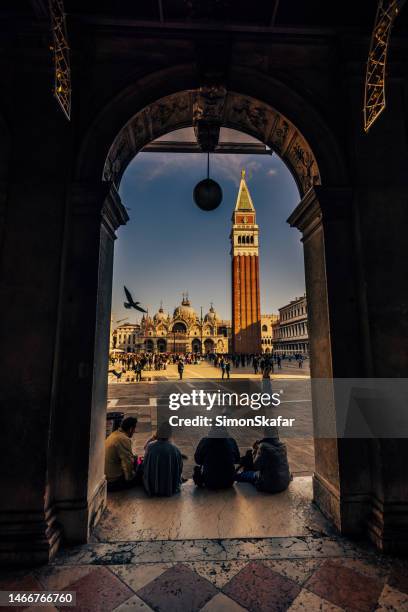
(217, 457)
(130, 366)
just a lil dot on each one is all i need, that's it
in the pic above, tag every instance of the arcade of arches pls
(299, 93)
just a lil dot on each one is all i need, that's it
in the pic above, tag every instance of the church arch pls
(161, 345)
(180, 327)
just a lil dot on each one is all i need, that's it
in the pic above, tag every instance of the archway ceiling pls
(235, 111)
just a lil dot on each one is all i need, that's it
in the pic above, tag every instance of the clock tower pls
(246, 308)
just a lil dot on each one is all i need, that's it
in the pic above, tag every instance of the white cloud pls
(226, 167)
(157, 165)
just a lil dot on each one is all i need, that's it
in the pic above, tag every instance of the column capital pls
(99, 200)
(320, 204)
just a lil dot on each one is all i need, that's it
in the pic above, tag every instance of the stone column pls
(334, 287)
(77, 445)
(33, 210)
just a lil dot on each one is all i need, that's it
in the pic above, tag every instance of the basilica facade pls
(185, 331)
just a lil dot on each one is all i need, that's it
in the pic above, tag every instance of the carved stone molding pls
(321, 204)
(114, 214)
(28, 538)
(307, 216)
(165, 115)
(208, 109)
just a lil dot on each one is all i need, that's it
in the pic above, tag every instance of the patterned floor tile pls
(178, 589)
(217, 572)
(260, 589)
(298, 570)
(398, 578)
(309, 602)
(137, 576)
(20, 582)
(392, 600)
(99, 590)
(371, 567)
(345, 587)
(134, 604)
(36, 609)
(58, 578)
(222, 603)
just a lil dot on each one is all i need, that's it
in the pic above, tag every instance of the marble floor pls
(191, 554)
(239, 512)
(309, 573)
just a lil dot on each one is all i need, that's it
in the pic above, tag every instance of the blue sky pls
(169, 246)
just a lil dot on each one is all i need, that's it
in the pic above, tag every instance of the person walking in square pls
(180, 369)
(227, 367)
(138, 370)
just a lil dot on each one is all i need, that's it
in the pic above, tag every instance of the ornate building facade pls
(246, 308)
(291, 334)
(183, 332)
(267, 325)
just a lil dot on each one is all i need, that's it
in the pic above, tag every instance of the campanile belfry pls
(246, 309)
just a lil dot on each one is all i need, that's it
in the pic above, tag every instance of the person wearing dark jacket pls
(270, 472)
(162, 464)
(216, 457)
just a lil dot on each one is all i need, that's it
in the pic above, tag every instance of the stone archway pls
(161, 345)
(233, 110)
(196, 345)
(313, 157)
(209, 345)
(180, 327)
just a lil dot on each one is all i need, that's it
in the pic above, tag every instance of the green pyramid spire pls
(244, 200)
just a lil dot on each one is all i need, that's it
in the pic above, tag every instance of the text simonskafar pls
(224, 421)
(206, 400)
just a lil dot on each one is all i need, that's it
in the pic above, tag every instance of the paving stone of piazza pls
(137, 398)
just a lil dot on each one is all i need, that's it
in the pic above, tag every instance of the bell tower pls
(246, 308)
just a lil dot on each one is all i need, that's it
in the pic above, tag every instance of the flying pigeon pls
(131, 303)
(117, 374)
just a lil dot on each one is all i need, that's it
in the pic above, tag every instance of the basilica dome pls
(211, 315)
(185, 311)
(160, 317)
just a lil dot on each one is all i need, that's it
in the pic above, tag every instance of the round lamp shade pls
(207, 194)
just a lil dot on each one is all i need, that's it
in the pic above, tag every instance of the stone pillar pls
(341, 481)
(30, 256)
(360, 484)
(80, 416)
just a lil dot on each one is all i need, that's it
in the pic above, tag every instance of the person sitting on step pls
(120, 462)
(216, 456)
(162, 465)
(269, 471)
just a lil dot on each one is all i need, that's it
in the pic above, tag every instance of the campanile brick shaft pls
(246, 311)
